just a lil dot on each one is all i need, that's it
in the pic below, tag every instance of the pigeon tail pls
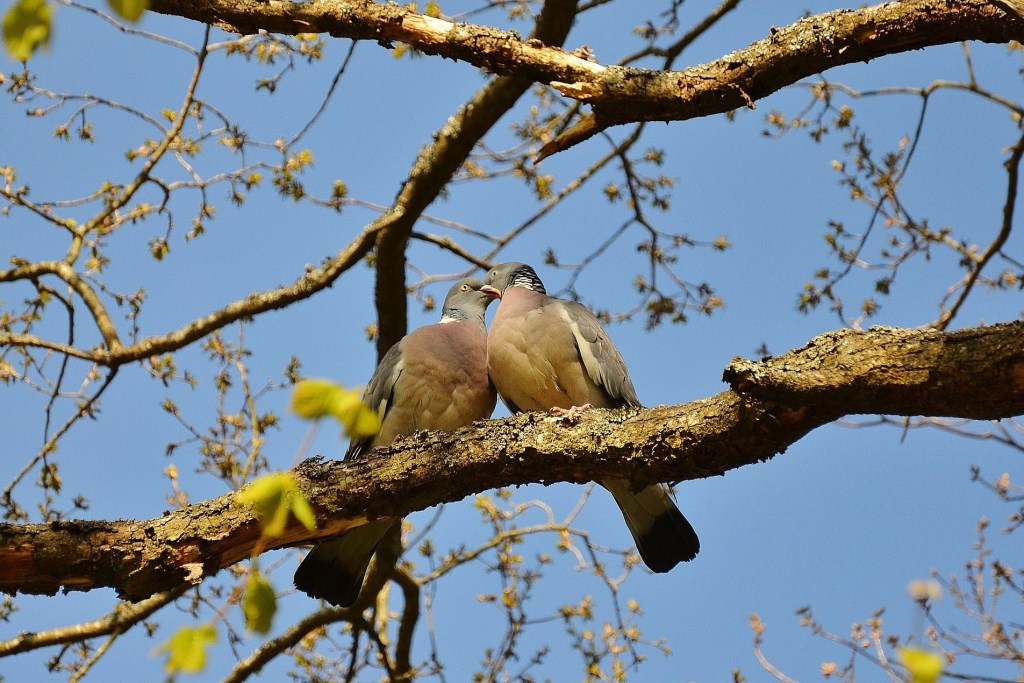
(334, 570)
(663, 536)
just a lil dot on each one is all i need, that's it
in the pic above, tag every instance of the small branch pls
(266, 652)
(312, 281)
(448, 244)
(587, 127)
(120, 619)
(570, 187)
(1013, 176)
(407, 624)
(28, 340)
(169, 138)
(85, 409)
(974, 373)
(96, 655)
(18, 199)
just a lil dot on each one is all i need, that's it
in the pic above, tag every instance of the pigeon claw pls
(568, 416)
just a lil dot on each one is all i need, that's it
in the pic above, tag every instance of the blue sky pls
(841, 522)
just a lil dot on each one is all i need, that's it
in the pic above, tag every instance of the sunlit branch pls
(92, 301)
(385, 23)
(34, 272)
(811, 45)
(748, 75)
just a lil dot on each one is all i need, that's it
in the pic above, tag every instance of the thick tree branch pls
(620, 94)
(500, 52)
(974, 373)
(809, 46)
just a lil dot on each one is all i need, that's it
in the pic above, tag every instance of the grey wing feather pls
(601, 359)
(379, 394)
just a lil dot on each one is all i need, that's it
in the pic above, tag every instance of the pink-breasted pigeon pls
(546, 353)
(435, 378)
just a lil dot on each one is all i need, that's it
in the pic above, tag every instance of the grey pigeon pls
(545, 353)
(435, 378)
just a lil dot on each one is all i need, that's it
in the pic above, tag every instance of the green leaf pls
(272, 498)
(259, 604)
(27, 26)
(923, 666)
(360, 419)
(314, 398)
(267, 496)
(186, 650)
(317, 398)
(129, 9)
(302, 510)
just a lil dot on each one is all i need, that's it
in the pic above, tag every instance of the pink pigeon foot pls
(568, 416)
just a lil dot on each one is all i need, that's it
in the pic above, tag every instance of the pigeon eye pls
(494, 274)
(465, 288)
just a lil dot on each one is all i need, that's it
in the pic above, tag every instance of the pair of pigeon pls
(542, 353)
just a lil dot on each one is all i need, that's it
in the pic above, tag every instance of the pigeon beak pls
(491, 291)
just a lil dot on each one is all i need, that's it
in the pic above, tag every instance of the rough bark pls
(975, 373)
(620, 94)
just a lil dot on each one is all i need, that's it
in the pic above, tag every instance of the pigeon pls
(434, 378)
(549, 354)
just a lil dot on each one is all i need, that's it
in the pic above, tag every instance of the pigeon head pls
(506, 275)
(466, 300)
